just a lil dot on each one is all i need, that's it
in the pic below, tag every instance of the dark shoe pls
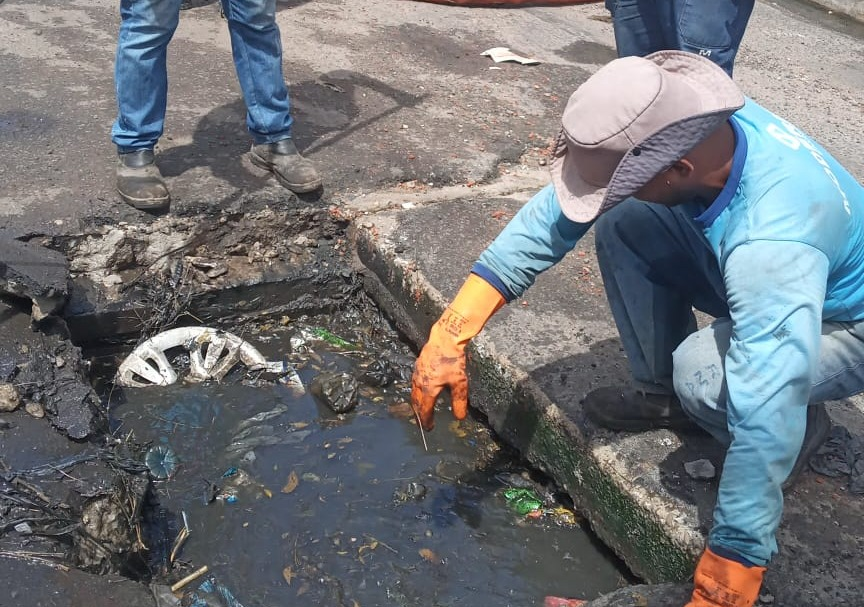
(634, 410)
(818, 427)
(140, 183)
(283, 160)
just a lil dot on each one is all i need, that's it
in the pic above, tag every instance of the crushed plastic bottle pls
(523, 501)
(212, 594)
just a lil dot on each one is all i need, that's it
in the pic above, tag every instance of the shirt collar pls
(732, 183)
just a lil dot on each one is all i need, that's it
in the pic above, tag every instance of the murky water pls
(350, 509)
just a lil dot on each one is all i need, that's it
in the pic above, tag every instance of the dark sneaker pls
(140, 183)
(283, 160)
(634, 410)
(818, 427)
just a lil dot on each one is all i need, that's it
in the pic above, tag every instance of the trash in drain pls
(212, 354)
(326, 495)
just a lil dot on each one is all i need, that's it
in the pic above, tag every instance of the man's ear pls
(682, 169)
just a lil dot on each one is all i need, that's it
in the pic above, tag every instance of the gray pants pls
(657, 266)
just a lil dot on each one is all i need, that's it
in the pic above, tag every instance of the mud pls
(48, 372)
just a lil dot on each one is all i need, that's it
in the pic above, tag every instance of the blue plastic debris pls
(229, 472)
(213, 594)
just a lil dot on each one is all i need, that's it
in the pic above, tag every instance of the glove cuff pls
(470, 310)
(721, 582)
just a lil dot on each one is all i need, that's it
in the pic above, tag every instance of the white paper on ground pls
(502, 53)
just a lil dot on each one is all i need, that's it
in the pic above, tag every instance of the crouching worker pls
(751, 222)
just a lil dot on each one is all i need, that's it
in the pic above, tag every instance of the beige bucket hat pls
(632, 120)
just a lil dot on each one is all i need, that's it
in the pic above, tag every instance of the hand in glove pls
(442, 361)
(721, 582)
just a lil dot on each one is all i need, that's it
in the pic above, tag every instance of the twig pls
(189, 578)
(180, 540)
(35, 557)
(420, 425)
(390, 548)
(67, 475)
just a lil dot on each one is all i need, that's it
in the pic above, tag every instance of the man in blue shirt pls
(752, 222)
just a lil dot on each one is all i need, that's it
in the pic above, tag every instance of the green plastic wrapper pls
(523, 501)
(331, 338)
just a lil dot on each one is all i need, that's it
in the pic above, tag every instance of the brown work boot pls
(283, 160)
(818, 427)
(140, 183)
(634, 411)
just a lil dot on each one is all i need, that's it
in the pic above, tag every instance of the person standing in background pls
(710, 29)
(141, 82)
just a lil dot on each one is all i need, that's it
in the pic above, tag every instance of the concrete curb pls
(854, 9)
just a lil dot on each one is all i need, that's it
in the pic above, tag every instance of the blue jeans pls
(657, 266)
(710, 29)
(141, 77)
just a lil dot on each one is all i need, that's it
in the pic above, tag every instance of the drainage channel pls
(287, 501)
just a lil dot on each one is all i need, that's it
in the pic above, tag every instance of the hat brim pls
(580, 201)
(719, 98)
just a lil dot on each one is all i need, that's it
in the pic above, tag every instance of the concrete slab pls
(35, 273)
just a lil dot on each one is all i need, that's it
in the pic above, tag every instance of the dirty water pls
(290, 503)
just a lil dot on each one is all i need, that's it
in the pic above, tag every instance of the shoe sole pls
(297, 188)
(146, 204)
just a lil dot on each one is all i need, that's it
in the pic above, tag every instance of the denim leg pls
(638, 26)
(700, 382)
(713, 30)
(656, 267)
(257, 47)
(140, 73)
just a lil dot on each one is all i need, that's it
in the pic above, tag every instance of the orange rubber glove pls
(442, 361)
(720, 582)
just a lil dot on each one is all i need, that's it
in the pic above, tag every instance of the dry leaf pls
(299, 425)
(288, 574)
(291, 485)
(456, 428)
(401, 410)
(428, 555)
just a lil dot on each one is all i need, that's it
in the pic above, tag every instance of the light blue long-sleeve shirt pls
(788, 233)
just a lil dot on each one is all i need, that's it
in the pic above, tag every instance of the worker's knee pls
(698, 369)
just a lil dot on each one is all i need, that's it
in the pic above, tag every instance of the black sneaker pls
(818, 427)
(635, 411)
(140, 183)
(283, 160)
